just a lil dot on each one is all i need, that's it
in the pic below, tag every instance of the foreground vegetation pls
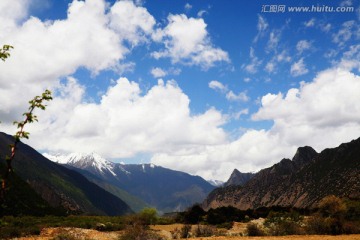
(333, 217)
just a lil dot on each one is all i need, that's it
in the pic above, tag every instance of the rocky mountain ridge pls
(238, 178)
(300, 182)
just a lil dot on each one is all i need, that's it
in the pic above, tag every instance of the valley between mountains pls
(89, 184)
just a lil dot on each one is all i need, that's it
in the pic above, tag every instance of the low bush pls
(326, 226)
(284, 223)
(253, 230)
(64, 236)
(139, 232)
(226, 225)
(204, 231)
(185, 231)
(351, 228)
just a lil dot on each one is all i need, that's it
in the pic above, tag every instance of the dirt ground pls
(312, 237)
(77, 233)
(86, 234)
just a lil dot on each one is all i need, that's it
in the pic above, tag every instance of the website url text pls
(308, 9)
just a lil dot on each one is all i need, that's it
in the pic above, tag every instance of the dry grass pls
(170, 227)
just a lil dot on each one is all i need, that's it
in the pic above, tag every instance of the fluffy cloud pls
(186, 41)
(216, 85)
(322, 113)
(126, 122)
(47, 51)
(327, 103)
(242, 96)
(131, 22)
(158, 72)
(298, 68)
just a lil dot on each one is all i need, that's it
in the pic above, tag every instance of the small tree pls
(148, 216)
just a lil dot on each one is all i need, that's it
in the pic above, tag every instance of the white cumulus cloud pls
(187, 41)
(126, 122)
(46, 51)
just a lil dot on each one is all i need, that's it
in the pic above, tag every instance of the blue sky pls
(198, 86)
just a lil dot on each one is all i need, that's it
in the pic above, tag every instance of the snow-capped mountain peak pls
(83, 160)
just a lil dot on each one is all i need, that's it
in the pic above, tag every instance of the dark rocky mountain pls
(300, 182)
(165, 189)
(238, 178)
(59, 186)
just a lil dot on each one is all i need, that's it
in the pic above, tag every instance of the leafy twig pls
(37, 102)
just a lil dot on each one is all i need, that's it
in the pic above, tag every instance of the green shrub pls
(148, 216)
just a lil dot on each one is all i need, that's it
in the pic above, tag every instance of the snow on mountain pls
(216, 183)
(83, 161)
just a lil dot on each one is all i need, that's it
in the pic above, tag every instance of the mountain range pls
(89, 184)
(139, 184)
(300, 182)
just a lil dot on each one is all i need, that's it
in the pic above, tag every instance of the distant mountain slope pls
(60, 186)
(165, 189)
(135, 203)
(300, 182)
(21, 199)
